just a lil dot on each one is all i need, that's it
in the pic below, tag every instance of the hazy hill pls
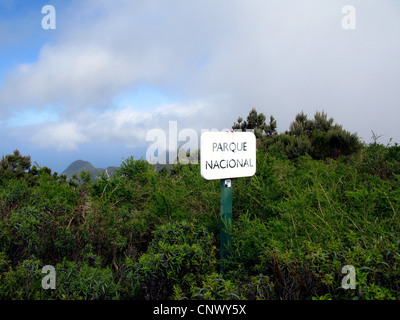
(79, 166)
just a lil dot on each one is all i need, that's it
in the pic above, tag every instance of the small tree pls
(327, 140)
(318, 137)
(14, 165)
(270, 129)
(134, 169)
(256, 122)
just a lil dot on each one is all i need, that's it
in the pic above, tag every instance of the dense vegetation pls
(320, 200)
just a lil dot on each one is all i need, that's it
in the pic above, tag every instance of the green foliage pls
(380, 160)
(255, 121)
(73, 281)
(22, 282)
(320, 137)
(83, 282)
(314, 205)
(328, 216)
(134, 169)
(215, 287)
(180, 254)
(12, 193)
(14, 166)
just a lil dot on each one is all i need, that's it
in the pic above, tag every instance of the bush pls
(215, 287)
(12, 194)
(143, 234)
(379, 160)
(22, 282)
(134, 169)
(180, 254)
(83, 282)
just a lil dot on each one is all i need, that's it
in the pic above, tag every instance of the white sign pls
(225, 155)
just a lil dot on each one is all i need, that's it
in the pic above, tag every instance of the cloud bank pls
(214, 61)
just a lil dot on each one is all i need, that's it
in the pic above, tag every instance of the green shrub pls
(379, 160)
(215, 287)
(180, 254)
(82, 282)
(142, 234)
(134, 169)
(12, 193)
(22, 282)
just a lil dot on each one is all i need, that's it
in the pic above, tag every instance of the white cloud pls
(126, 126)
(219, 58)
(63, 136)
(70, 75)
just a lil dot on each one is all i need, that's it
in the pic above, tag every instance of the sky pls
(111, 71)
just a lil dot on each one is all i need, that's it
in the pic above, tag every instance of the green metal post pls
(226, 220)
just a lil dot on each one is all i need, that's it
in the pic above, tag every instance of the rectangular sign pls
(225, 155)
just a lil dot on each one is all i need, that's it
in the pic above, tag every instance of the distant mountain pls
(79, 166)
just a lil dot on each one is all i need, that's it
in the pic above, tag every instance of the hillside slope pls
(79, 166)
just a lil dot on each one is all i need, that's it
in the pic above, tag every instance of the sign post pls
(226, 221)
(224, 156)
